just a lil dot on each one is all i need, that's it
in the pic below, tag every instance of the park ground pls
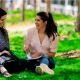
(22, 26)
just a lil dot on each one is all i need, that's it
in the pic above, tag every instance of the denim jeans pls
(31, 64)
(48, 61)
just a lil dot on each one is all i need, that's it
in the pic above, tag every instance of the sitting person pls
(4, 42)
(5, 53)
(40, 44)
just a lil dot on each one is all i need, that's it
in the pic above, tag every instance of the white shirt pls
(48, 45)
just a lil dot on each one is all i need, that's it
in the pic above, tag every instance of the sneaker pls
(43, 68)
(39, 70)
(6, 74)
(46, 69)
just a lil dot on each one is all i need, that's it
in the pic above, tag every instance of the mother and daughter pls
(40, 44)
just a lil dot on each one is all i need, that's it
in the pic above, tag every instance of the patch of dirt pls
(70, 54)
(21, 26)
(63, 37)
(24, 25)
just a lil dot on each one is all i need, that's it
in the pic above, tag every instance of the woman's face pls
(2, 19)
(39, 23)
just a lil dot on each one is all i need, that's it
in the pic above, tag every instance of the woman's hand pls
(36, 54)
(27, 49)
(6, 52)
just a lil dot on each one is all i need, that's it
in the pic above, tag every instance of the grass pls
(66, 69)
(15, 16)
(73, 40)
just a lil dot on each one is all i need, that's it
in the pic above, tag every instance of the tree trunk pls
(23, 10)
(2, 4)
(78, 17)
(48, 5)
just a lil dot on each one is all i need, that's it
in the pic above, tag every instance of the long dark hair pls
(51, 27)
(2, 12)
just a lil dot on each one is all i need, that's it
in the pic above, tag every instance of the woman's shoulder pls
(54, 37)
(31, 30)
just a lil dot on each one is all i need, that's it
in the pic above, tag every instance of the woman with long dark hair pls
(41, 43)
(4, 42)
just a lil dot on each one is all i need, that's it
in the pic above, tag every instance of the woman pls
(5, 53)
(4, 42)
(40, 44)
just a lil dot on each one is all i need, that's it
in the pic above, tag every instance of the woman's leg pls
(44, 66)
(44, 60)
(28, 64)
(48, 61)
(52, 63)
(23, 64)
(4, 71)
(31, 64)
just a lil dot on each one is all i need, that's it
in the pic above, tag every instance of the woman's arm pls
(6, 52)
(27, 48)
(37, 54)
(26, 43)
(51, 54)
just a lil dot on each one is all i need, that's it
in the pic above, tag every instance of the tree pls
(49, 5)
(23, 10)
(78, 17)
(2, 4)
(35, 1)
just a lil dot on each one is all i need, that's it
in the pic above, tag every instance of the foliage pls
(71, 42)
(16, 16)
(63, 17)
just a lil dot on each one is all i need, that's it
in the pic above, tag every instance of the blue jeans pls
(48, 61)
(31, 64)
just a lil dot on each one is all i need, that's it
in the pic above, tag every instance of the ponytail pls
(51, 27)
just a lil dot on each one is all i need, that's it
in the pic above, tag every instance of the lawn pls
(15, 16)
(66, 68)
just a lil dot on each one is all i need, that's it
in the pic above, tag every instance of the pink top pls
(32, 38)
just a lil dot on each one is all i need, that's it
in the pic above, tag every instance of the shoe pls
(39, 70)
(6, 74)
(43, 68)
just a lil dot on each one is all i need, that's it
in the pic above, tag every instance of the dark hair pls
(51, 27)
(2, 12)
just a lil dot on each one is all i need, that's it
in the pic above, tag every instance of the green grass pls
(15, 16)
(73, 40)
(63, 17)
(66, 69)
